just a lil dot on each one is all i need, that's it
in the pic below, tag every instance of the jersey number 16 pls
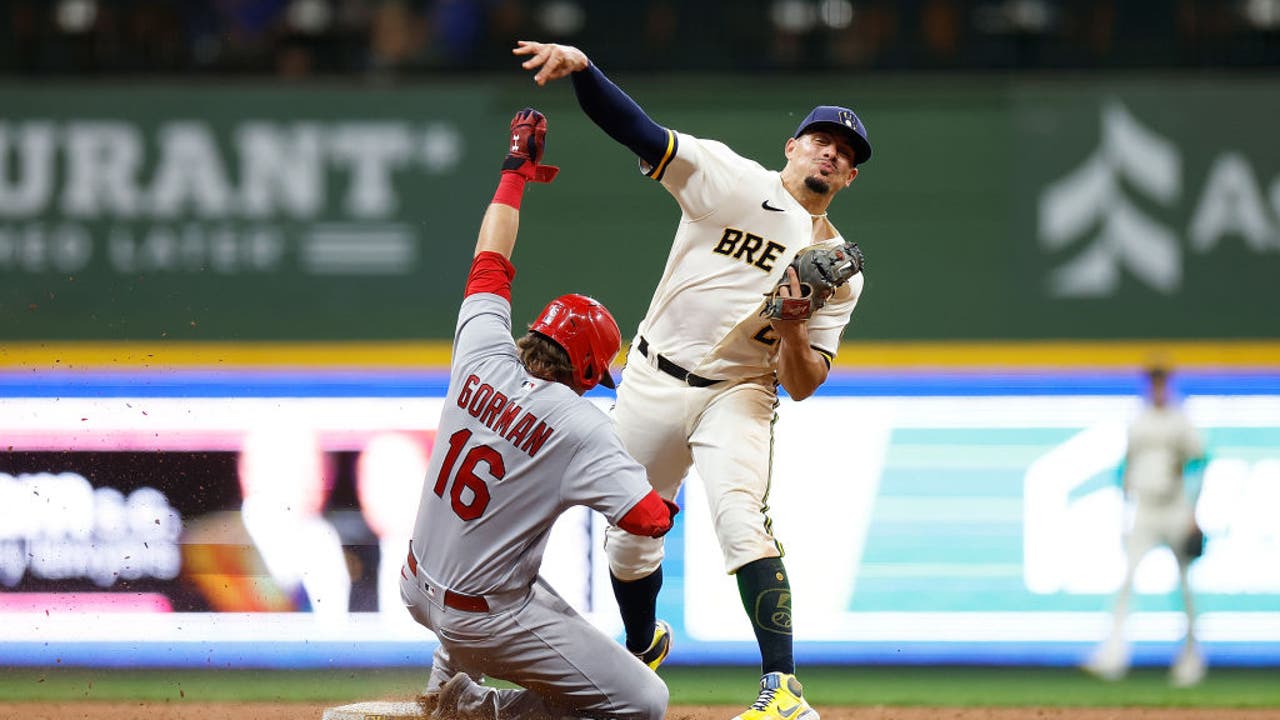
(466, 479)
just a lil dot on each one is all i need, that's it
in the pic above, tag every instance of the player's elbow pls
(651, 517)
(800, 385)
(796, 391)
(802, 373)
(798, 394)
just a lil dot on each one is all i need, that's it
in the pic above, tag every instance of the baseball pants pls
(566, 666)
(726, 432)
(1155, 524)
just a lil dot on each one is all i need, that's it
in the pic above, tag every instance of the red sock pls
(510, 189)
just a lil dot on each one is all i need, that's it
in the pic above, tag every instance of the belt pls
(469, 603)
(456, 600)
(673, 369)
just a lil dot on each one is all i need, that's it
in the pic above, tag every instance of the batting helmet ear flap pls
(606, 378)
(588, 375)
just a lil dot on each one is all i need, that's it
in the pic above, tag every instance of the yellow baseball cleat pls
(659, 648)
(781, 697)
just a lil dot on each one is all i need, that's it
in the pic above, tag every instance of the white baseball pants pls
(726, 432)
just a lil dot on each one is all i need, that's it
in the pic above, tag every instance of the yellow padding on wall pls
(406, 355)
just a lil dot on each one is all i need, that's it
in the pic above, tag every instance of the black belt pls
(675, 370)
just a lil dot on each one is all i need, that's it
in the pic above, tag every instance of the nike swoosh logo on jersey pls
(788, 712)
(767, 206)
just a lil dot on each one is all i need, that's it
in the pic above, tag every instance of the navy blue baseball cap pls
(838, 119)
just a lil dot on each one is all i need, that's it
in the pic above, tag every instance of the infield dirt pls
(93, 710)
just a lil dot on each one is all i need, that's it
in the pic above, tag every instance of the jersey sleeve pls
(491, 272)
(602, 476)
(651, 517)
(828, 324)
(698, 173)
(484, 320)
(621, 117)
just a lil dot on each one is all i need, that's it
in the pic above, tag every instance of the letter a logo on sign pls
(1129, 158)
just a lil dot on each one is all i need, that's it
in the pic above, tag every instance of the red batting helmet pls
(586, 331)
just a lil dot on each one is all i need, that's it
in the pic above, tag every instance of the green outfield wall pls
(994, 208)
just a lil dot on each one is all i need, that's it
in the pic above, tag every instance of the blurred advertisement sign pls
(1094, 209)
(945, 517)
(176, 212)
(1234, 204)
(995, 519)
(58, 527)
(1092, 195)
(1147, 213)
(224, 514)
(174, 199)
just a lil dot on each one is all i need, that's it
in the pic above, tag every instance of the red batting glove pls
(524, 152)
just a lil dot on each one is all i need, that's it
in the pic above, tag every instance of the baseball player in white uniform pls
(1163, 446)
(699, 387)
(516, 447)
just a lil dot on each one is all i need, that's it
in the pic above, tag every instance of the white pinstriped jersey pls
(512, 453)
(1161, 441)
(739, 230)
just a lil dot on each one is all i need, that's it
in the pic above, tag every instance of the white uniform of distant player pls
(739, 230)
(1162, 441)
(484, 519)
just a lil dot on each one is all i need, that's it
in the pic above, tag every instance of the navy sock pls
(638, 603)
(766, 596)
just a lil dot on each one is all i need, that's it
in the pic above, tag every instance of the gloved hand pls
(819, 270)
(528, 139)
(1193, 546)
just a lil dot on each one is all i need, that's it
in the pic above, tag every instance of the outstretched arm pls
(499, 227)
(491, 270)
(604, 102)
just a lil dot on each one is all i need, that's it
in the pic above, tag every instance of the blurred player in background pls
(1163, 464)
(389, 476)
(700, 384)
(516, 447)
(285, 482)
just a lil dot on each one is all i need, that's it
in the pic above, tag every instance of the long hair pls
(545, 359)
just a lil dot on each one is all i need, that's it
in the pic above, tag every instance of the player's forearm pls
(801, 370)
(491, 269)
(619, 116)
(498, 230)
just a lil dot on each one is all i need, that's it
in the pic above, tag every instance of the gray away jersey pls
(511, 454)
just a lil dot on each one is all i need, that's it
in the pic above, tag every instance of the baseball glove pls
(528, 140)
(1193, 546)
(821, 269)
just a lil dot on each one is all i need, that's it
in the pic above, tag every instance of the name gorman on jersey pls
(494, 411)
